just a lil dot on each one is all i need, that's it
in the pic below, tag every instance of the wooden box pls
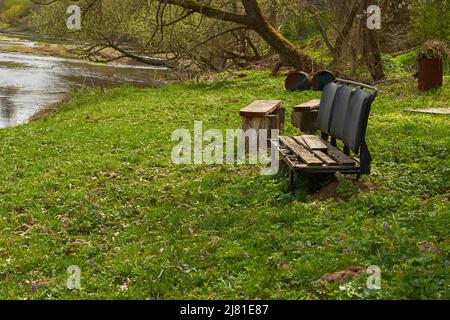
(304, 116)
(263, 114)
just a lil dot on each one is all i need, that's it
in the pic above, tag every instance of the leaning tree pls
(240, 14)
(217, 34)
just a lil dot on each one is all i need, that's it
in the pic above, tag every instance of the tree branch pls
(210, 11)
(146, 60)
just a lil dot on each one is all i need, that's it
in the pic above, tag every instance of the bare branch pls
(210, 11)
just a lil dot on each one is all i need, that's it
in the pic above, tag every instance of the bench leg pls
(291, 181)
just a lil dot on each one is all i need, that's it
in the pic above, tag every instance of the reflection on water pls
(29, 83)
(7, 106)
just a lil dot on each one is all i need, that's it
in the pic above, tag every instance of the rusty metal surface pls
(297, 81)
(430, 74)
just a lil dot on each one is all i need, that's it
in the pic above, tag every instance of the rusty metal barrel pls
(297, 81)
(321, 79)
(430, 74)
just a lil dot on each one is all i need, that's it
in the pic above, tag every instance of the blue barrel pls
(321, 79)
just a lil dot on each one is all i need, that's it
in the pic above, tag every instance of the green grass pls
(407, 62)
(93, 185)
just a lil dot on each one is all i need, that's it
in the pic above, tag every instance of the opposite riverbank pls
(34, 45)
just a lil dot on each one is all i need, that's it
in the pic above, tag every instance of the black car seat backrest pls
(356, 118)
(326, 107)
(344, 113)
(340, 107)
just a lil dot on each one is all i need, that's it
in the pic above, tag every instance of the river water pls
(30, 82)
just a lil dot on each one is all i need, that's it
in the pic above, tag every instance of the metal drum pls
(430, 74)
(321, 79)
(297, 81)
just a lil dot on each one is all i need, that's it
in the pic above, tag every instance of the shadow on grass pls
(323, 187)
(306, 185)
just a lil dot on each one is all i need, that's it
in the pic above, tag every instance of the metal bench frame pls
(365, 157)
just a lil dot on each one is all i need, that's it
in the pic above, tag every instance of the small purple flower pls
(386, 225)
(33, 287)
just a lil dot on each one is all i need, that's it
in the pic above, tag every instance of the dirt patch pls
(47, 111)
(333, 190)
(428, 247)
(342, 276)
(327, 192)
(366, 186)
(13, 65)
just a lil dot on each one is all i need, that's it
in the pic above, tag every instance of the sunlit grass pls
(93, 185)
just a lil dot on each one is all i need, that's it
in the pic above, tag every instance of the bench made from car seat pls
(343, 115)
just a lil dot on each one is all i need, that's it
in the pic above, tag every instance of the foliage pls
(391, 65)
(407, 62)
(434, 50)
(187, 41)
(430, 20)
(93, 186)
(12, 10)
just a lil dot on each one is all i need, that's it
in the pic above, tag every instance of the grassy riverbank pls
(93, 185)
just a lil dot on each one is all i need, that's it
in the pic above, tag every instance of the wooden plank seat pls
(308, 106)
(260, 108)
(304, 116)
(306, 159)
(343, 115)
(263, 115)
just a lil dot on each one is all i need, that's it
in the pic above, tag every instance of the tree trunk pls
(344, 33)
(372, 53)
(289, 54)
(372, 56)
(255, 19)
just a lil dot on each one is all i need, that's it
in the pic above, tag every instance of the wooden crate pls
(304, 116)
(263, 114)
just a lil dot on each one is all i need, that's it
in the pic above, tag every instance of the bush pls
(430, 20)
(391, 65)
(14, 9)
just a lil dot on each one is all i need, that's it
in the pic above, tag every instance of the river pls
(31, 82)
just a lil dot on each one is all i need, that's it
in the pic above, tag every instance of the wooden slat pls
(308, 106)
(336, 168)
(260, 108)
(291, 158)
(313, 142)
(338, 155)
(318, 153)
(433, 111)
(303, 153)
(325, 158)
(295, 162)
